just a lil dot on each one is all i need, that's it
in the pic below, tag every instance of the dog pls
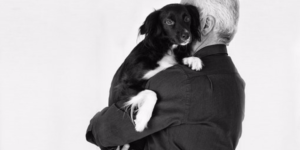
(169, 35)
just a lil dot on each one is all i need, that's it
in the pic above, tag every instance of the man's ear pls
(151, 25)
(208, 24)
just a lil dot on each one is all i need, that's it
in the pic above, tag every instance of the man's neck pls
(207, 41)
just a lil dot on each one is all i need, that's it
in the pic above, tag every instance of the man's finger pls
(118, 148)
(126, 147)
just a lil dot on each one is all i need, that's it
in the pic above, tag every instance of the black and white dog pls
(169, 34)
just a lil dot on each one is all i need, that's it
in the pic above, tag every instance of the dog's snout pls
(185, 36)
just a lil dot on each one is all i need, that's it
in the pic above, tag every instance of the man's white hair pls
(226, 13)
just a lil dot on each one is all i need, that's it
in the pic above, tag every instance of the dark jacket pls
(196, 110)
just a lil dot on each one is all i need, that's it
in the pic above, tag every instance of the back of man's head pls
(225, 12)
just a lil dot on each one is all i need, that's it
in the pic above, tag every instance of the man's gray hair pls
(226, 13)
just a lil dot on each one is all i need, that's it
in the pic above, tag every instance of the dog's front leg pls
(194, 62)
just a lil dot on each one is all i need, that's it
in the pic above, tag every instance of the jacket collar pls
(211, 50)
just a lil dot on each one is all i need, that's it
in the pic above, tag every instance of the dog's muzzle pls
(185, 38)
(187, 41)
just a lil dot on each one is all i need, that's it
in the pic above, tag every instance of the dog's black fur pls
(159, 38)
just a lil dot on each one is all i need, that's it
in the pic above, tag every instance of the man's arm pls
(112, 126)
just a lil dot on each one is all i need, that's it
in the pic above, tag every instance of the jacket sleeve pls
(113, 126)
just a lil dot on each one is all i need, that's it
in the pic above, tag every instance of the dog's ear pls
(152, 26)
(195, 21)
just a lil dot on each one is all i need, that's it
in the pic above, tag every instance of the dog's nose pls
(185, 36)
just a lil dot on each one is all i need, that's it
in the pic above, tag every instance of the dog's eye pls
(169, 22)
(187, 19)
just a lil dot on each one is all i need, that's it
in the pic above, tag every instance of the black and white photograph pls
(149, 75)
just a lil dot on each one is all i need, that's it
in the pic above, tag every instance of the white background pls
(57, 59)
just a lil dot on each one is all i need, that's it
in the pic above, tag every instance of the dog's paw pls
(145, 110)
(142, 119)
(194, 62)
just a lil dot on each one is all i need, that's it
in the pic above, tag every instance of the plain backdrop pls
(58, 57)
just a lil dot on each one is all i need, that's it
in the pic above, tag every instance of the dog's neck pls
(171, 50)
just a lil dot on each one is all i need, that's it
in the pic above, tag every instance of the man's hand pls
(125, 147)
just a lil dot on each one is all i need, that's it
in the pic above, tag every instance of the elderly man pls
(195, 110)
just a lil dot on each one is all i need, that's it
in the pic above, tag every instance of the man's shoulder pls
(176, 72)
(177, 75)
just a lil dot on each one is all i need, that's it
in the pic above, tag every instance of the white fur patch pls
(167, 61)
(145, 102)
(194, 62)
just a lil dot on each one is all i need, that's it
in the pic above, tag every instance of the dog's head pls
(176, 22)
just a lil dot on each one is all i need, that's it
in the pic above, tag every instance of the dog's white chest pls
(167, 61)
